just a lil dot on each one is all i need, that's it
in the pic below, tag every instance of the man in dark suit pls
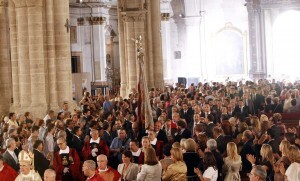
(77, 143)
(9, 155)
(182, 131)
(70, 126)
(221, 145)
(210, 126)
(247, 149)
(272, 142)
(161, 135)
(186, 113)
(241, 109)
(40, 161)
(106, 135)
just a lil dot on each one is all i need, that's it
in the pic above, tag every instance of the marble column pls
(99, 47)
(23, 53)
(166, 40)
(5, 76)
(51, 85)
(157, 44)
(14, 54)
(257, 65)
(36, 53)
(62, 51)
(140, 19)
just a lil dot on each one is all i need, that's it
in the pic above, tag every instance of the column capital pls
(20, 3)
(100, 20)
(133, 17)
(3, 3)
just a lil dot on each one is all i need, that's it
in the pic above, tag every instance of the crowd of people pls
(228, 131)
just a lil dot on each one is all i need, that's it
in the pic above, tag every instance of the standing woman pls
(176, 171)
(210, 166)
(151, 170)
(232, 163)
(284, 149)
(127, 169)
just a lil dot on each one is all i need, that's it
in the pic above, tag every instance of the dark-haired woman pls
(127, 169)
(210, 166)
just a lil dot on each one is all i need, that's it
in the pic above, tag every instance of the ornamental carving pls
(3, 3)
(96, 20)
(20, 3)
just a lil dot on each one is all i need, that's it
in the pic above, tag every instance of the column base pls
(257, 75)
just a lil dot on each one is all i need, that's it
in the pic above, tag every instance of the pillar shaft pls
(62, 50)
(4, 60)
(52, 98)
(14, 53)
(36, 52)
(23, 53)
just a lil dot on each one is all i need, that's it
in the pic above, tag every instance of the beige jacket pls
(175, 172)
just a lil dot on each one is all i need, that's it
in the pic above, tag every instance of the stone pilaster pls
(141, 18)
(5, 78)
(62, 51)
(50, 34)
(23, 53)
(36, 53)
(14, 54)
(257, 69)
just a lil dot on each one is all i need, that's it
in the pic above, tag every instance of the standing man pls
(66, 162)
(9, 155)
(6, 172)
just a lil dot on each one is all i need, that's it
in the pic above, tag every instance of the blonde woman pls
(293, 171)
(176, 171)
(284, 160)
(267, 160)
(232, 163)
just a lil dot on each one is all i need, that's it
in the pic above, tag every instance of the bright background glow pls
(287, 45)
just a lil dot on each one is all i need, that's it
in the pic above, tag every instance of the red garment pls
(96, 177)
(74, 168)
(110, 174)
(8, 173)
(141, 158)
(159, 149)
(102, 147)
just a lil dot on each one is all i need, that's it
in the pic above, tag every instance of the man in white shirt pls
(9, 155)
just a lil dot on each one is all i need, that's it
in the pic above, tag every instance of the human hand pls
(251, 158)
(66, 170)
(197, 171)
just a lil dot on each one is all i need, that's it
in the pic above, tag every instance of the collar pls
(11, 152)
(153, 142)
(91, 177)
(106, 168)
(69, 130)
(137, 153)
(95, 141)
(66, 151)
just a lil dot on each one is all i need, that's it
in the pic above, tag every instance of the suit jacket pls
(69, 138)
(185, 134)
(221, 144)
(209, 130)
(131, 172)
(162, 136)
(77, 144)
(244, 113)
(11, 161)
(247, 149)
(41, 163)
(187, 116)
(107, 138)
(275, 146)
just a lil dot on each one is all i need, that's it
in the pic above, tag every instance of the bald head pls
(49, 175)
(102, 162)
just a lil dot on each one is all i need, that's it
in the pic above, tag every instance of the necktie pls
(15, 157)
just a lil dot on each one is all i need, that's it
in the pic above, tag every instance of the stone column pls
(14, 54)
(257, 65)
(23, 53)
(166, 40)
(36, 54)
(157, 45)
(62, 51)
(51, 85)
(99, 47)
(5, 78)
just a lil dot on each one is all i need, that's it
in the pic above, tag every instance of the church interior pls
(121, 90)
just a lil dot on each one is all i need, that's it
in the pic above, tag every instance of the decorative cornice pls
(96, 20)
(34, 3)
(80, 21)
(20, 3)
